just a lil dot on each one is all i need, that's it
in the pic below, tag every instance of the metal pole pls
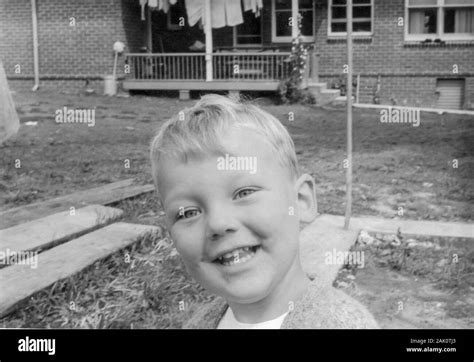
(358, 88)
(349, 117)
(34, 19)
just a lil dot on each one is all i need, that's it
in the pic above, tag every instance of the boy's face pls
(224, 211)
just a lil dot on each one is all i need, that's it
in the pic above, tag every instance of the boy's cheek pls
(187, 246)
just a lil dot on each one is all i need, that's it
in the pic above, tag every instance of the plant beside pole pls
(349, 117)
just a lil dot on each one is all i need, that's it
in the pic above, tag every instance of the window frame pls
(440, 34)
(333, 34)
(289, 39)
(253, 45)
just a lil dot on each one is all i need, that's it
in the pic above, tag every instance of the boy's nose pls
(219, 222)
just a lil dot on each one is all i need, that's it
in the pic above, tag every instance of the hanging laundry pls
(254, 5)
(153, 3)
(164, 5)
(218, 13)
(9, 121)
(233, 11)
(223, 12)
(194, 10)
(142, 5)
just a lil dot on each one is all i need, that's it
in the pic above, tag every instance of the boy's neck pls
(278, 302)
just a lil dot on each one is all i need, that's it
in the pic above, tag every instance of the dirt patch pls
(414, 283)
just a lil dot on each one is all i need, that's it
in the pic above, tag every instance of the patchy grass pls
(394, 166)
(420, 282)
(143, 286)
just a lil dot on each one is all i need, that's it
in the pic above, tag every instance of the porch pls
(232, 71)
(246, 63)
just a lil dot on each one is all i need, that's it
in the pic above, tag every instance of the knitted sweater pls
(320, 307)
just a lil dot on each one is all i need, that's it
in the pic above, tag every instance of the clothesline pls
(223, 12)
(156, 4)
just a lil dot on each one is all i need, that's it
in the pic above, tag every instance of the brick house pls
(413, 52)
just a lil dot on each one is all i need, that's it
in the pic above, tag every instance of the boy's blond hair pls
(198, 131)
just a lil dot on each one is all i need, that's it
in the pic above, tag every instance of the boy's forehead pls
(243, 147)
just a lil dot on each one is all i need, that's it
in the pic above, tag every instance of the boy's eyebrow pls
(181, 194)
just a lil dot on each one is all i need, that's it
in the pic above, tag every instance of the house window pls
(281, 14)
(362, 17)
(176, 16)
(250, 31)
(442, 19)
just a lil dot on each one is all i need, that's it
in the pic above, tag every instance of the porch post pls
(208, 34)
(294, 15)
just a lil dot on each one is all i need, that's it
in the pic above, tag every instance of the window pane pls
(339, 12)
(250, 26)
(361, 2)
(176, 11)
(422, 21)
(459, 20)
(307, 23)
(282, 23)
(283, 4)
(339, 2)
(361, 12)
(338, 27)
(361, 26)
(249, 40)
(306, 4)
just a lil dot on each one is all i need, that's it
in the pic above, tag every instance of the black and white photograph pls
(237, 165)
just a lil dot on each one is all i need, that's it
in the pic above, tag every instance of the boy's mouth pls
(237, 256)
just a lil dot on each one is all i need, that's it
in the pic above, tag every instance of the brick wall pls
(67, 52)
(16, 39)
(408, 71)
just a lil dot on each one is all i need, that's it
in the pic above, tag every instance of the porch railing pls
(233, 66)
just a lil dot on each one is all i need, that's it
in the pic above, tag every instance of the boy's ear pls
(307, 203)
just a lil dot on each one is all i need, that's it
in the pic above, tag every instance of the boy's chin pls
(245, 291)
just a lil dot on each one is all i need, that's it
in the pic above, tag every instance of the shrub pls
(290, 88)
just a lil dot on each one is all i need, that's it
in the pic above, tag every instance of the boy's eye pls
(245, 192)
(186, 214)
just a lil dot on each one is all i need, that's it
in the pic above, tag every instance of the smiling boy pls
(237, 231)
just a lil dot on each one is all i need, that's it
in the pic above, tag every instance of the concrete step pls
(341, 101)
(327, 96)
(317, 87)
(407, 227)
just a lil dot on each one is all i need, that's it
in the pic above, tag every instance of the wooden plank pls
(103, 195)
(18, 282)
(54, 229)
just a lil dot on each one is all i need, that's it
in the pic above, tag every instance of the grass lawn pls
(395, 165)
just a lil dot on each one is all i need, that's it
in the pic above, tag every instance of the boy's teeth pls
(237, 256)
(228, 255)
